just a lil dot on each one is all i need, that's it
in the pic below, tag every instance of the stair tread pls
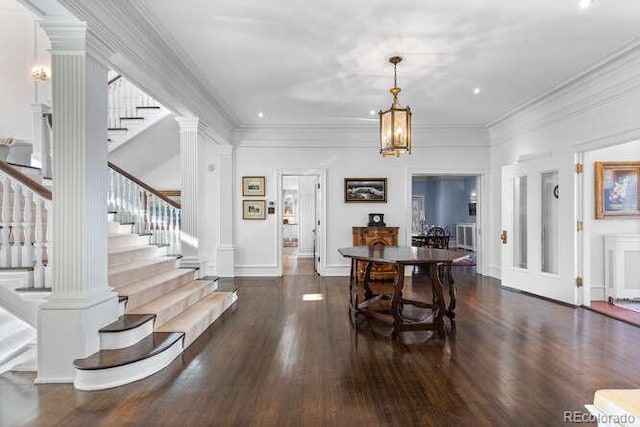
(133, 248)
(127, 322)
(193, 314)
(149, 282)
(170, 298)
(116, 269)
(149, 346)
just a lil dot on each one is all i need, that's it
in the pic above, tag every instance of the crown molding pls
(602, 66)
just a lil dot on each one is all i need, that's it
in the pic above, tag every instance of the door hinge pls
(579, 281)
(318, 186)
(318, 259)
(579, 168)
(318, 222)
(579, 225)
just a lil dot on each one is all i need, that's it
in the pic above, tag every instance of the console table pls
(372, 236)
(399, 256)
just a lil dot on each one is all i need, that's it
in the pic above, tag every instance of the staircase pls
(164, 308)
(131, 111)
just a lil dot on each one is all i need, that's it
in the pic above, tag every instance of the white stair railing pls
(124, 101)
(25, 225)
(148, 210)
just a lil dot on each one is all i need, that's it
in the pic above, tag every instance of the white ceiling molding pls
(145, 58)
(617, 77)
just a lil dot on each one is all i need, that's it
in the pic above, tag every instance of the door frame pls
(322, 236)
(482, 214)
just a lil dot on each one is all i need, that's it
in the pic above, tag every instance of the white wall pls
(596, 110)
(348, 152)
(595, 229)
(153, 155)
(17, 56)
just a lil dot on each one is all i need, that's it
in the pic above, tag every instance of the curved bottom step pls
(112, 368)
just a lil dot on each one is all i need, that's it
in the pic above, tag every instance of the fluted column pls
(189, 170)
(81, 300)
(225, 261)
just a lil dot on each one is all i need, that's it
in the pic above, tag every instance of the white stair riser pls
(144, 252)
(113, 377)
(129, 276)
(126, 240)
(143, 297)
(117, 228)
(113, 340)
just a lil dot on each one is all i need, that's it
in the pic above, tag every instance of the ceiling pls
(325, 62)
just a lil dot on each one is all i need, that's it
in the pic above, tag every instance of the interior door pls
(539, 227)
(318, 227)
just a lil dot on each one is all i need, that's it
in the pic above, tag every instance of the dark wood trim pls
(131, 118)
(123, 129)
(145, 186)
(39, 189)
(171, 193)
(23, 166)
(115, 79)
(144, 107)
(127, 322)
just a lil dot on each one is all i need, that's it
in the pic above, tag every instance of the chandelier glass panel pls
(395, 123)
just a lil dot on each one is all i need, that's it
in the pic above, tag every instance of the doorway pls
(451, 203)
(300, 225)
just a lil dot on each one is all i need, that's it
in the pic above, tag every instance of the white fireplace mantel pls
(622, 265)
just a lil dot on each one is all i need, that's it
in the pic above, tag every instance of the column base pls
(225, 262)
(68, 330)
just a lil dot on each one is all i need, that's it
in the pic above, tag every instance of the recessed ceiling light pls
(585, 4)
(476, 91)
(261, 114)
(372, 112)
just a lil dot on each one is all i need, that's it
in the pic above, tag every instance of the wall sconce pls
(39, 73)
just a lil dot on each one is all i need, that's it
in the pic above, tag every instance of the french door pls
(539, 227)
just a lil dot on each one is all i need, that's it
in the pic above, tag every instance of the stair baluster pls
(15, 228)
(5, 255)
(38, 246)
(27, 236)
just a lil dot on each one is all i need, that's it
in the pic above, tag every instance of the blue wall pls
(446, 198)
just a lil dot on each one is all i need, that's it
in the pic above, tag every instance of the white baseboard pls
(598, 293)
(336, 270)
(495, 271)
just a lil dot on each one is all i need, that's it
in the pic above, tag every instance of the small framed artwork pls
(253, 186)
(617, 189)
(369, 190)
(254, 209)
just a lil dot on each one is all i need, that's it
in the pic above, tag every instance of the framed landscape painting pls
(253, 186)
(254, 209)
(371, 190)
(617, 189)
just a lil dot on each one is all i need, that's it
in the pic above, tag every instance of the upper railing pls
(149, 211)
(25, 225)
(125, 103)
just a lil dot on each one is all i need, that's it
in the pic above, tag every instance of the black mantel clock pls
(376, 220)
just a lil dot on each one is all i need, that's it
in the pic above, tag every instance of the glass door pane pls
(549, 223)
(520, 222)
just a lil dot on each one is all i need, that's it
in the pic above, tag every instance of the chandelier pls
(395, 123)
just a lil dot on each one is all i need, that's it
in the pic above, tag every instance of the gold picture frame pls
(617, 189)
(254, 209)
(253, 186)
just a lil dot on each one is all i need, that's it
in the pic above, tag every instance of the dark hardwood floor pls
(276, 360)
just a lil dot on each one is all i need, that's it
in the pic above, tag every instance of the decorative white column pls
(225, 262)
(81, 301)
(189, 171)
(41, 156)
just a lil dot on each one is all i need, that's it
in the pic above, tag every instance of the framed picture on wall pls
(254, 209)
(368, 190)
(617, 189)
(253, 186)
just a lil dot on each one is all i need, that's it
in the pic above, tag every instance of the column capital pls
(188, 123)
(66, 36)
